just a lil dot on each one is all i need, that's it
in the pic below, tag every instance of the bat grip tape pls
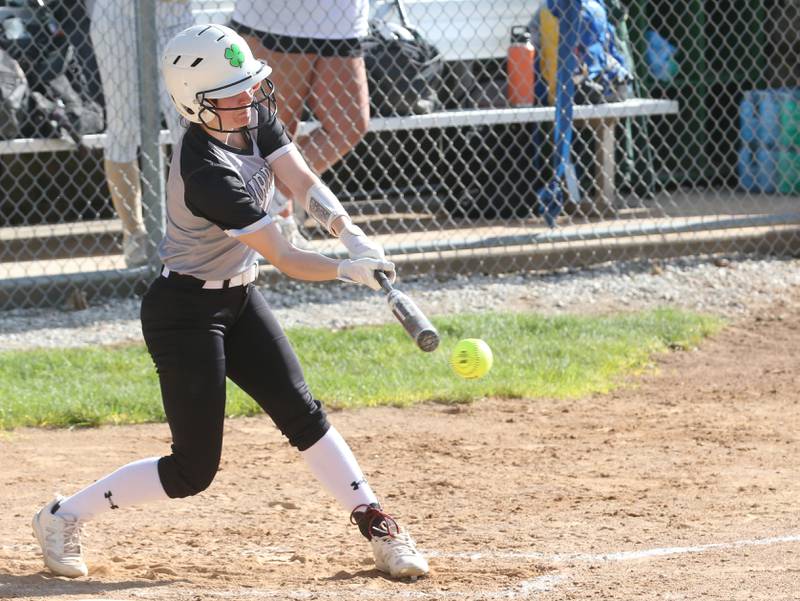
(383, 281)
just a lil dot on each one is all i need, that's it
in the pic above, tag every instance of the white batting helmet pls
(205, 62)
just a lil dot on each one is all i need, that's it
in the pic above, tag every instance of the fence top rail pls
(633, 107)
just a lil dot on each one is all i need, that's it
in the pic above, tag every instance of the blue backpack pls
(603, 71)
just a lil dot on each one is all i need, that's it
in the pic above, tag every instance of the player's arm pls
(319, 202)
(217, 193)
(290, 260)
(309, 265)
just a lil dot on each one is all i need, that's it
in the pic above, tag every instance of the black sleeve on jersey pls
(271, 133)
(217, 193)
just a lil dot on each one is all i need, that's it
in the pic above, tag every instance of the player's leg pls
(184, 329)
(57, 526)
(185, 341)
(262, 362)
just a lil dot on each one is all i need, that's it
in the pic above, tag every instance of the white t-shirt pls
(318, 19)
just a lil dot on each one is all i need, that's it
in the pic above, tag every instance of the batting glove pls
(362, 271)
(358, 245)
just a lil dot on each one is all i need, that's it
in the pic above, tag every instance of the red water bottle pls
(520, 67)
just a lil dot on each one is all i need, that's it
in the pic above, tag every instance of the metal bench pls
(602, 117)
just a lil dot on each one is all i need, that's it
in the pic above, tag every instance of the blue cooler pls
(766, 118)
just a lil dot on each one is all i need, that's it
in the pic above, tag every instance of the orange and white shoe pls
(59, 537)
(394, 550)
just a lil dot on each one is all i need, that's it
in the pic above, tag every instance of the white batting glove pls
(362, 271)
(358, 245)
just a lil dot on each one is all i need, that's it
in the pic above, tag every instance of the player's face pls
(234, 119)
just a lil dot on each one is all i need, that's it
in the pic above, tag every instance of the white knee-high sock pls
(132, 484)
(332, 462)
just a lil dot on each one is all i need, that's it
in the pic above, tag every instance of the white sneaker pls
(394, 550)
(59, 537)
(134, 247)
(397, 555)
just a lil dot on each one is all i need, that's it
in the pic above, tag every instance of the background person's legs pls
(113, 35)
(335, 90)
(124, 185)
(113, 27)
(339, 100)
(172, 18)
(292, 75)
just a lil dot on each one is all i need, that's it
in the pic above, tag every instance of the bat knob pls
(428, 340)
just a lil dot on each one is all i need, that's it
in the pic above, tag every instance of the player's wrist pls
(324, 207)
(359, 245)
(349, 232)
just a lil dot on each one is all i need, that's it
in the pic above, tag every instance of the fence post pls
(150, 124)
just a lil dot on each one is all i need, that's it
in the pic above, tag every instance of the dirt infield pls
(682, 485)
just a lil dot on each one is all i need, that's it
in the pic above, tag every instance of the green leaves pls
(234, 55)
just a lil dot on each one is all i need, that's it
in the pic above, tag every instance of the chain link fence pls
(463, 134)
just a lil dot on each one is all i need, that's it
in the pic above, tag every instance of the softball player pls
(203, 319)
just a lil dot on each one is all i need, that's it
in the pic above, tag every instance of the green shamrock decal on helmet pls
(235, 55)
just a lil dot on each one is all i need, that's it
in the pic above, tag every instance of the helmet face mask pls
(210, 114)
(204, 63)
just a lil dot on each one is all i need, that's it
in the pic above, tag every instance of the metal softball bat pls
(409, 315)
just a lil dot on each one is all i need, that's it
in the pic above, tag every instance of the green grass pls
(535, 357)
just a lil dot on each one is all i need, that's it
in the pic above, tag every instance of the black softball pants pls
(196, 338)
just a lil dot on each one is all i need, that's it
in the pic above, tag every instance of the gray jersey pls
(216, 193)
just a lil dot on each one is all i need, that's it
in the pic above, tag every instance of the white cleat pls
(397, 556)
(59, 537)
(394, 550)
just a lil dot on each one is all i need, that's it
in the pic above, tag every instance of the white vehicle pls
(469, 29)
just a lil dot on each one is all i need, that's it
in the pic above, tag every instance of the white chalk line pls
(522, 590)
(616, 556)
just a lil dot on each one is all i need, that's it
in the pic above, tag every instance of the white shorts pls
(113, 32)
(315, 19)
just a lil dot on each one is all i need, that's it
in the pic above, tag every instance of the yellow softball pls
(471, 358)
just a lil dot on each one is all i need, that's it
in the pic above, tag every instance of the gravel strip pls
(731, 286)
